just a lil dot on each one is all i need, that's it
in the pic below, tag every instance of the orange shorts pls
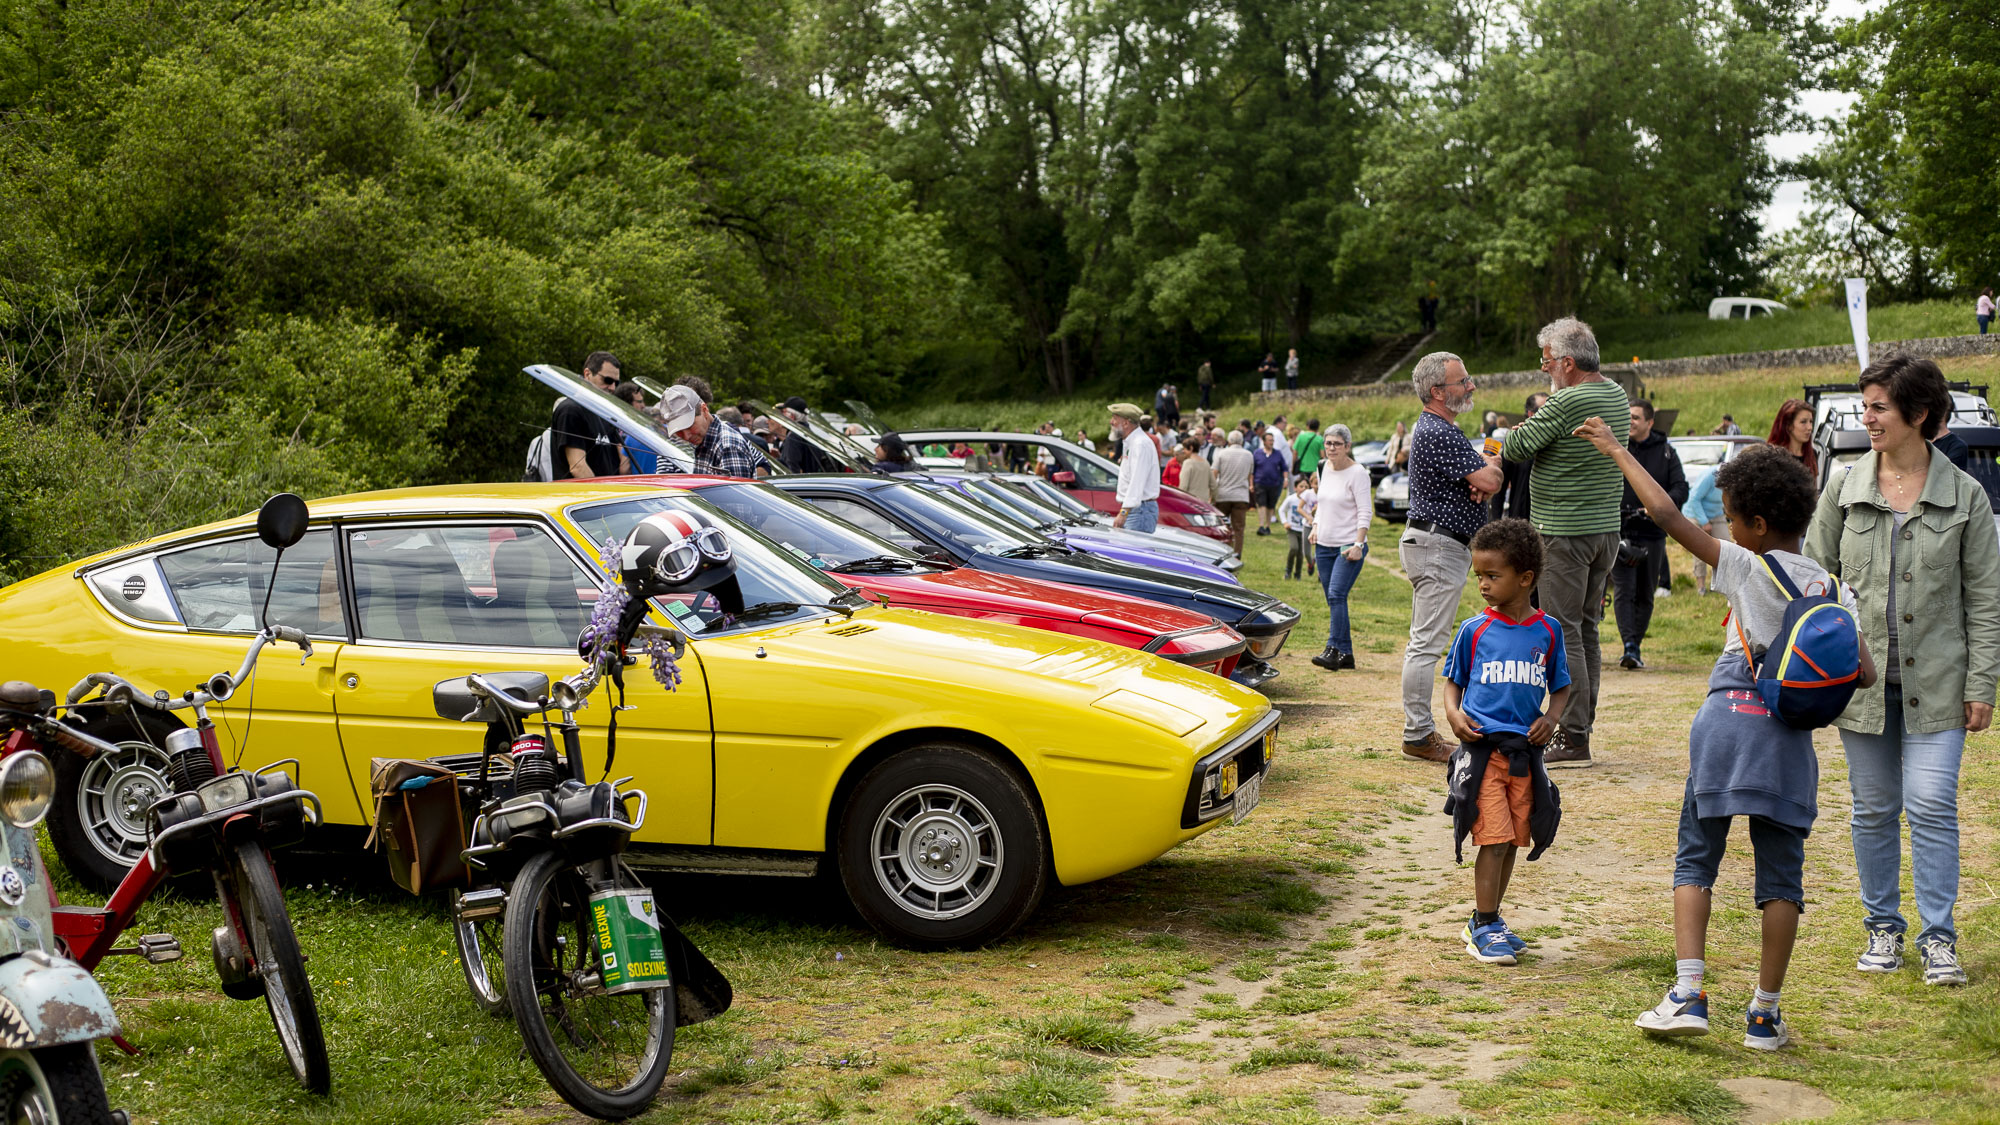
(1504, 802)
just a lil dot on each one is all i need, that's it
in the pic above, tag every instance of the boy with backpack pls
(1790, 661)
(1501, 665)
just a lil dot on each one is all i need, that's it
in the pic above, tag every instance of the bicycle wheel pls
(606, 1055)
(480, 950)
(275, 950)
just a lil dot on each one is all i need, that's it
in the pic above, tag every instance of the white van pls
(1742, 308)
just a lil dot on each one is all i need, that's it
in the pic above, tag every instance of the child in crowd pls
(1502, 665)
(1742, 760)
(1297, 518)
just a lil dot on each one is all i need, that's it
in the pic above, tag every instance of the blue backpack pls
(1810, 670)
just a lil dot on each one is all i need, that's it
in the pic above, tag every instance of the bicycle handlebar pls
(69, 738)
(217, 689)
(487, 689)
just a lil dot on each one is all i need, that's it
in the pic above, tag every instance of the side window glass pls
(220, 587)
(868, 520)
(504, 586)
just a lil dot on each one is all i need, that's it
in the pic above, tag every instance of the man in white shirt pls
(1138, 471)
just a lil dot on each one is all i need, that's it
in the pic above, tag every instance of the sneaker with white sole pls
(1515, 941)
(1765, 1030)
(1884, 953)
(1940, 962)
(1680, 1013)
(1488, 943)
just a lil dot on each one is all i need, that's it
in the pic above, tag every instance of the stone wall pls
(1934, 347)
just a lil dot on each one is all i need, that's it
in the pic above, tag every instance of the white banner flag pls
(1857, 315)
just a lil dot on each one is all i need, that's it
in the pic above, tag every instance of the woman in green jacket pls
(1914, 537)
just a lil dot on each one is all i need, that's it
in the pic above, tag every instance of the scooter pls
(51, 1008)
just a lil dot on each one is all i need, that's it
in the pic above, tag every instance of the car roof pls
(525, 498)
(983, 435)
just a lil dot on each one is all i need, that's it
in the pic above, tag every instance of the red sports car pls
(877, 567)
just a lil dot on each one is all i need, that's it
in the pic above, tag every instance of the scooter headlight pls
(27, 785)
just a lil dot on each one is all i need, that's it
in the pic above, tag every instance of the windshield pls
(1090, 473)
(953, 519)
(1055, 498)
(821, 540)
(1702, 452)
(766, 574)
(1007, 504)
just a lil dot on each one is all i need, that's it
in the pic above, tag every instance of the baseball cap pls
(1126, 411)
(795, 403)
(679, 408)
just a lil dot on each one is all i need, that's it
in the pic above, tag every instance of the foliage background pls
(311, 243)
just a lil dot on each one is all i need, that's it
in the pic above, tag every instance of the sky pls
(1788, 201)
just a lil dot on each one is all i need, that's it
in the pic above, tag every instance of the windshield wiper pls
(1033, 550)
(878, 562)
(762, 609)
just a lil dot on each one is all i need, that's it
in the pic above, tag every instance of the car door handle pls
(350, 681)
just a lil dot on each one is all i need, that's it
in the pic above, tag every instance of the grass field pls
(1752, 396)
(1298, 968)
(1692, 333)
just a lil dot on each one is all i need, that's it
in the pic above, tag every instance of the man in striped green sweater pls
(1573, 500)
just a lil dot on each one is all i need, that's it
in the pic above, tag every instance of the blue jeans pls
(1338, 573)
(1145, 517)
(1983, 322)
(1892, 774)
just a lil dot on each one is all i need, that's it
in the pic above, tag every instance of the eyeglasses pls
(1552, 360)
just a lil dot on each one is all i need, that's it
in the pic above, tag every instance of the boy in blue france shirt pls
(1742, 760)
(1502, 666)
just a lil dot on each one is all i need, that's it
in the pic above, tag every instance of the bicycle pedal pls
(159, 948)
(156, 948)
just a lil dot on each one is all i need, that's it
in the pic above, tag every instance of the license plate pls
(227, 791)
(1247, 795)
(1399, 503)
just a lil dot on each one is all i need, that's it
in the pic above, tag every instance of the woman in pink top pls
(1340, 540)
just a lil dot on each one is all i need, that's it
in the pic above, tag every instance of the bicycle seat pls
(20, 694)
(453, 698)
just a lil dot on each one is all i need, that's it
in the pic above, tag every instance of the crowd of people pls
(1582, 495)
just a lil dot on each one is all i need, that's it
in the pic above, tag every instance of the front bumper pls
(1250, 752)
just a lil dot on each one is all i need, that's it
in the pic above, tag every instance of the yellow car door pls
(439, 599)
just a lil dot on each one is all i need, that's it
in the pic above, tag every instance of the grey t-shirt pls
(1756, 603)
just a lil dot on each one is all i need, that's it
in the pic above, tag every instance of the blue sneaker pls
(1765, 1030)
(1680, 1013)
(1488, 943)
(1515, 941)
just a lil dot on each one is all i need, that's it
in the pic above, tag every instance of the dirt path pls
(1370, 1007)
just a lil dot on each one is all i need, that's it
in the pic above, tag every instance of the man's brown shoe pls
(1566, 752)
(1434, 748)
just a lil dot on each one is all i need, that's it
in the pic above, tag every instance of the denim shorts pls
(1780, 851)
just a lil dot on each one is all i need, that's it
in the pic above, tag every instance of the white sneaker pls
(1884, 953)
(1941, 962)
(1678, 1014)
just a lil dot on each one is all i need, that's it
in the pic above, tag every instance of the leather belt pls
(1426, 525)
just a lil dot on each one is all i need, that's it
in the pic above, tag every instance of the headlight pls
(27, 785)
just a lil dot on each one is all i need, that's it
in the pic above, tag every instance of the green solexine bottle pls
(630, 950)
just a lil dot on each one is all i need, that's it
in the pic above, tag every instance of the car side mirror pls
(282, 520)
(936, 555)
(1065, 478)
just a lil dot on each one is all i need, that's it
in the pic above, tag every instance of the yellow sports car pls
(949, 767)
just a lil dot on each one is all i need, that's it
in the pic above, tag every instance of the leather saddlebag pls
(419, 824)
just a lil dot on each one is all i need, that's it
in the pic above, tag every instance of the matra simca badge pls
(12, 888)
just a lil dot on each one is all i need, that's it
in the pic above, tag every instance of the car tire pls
(943, 846)
(97, 840)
